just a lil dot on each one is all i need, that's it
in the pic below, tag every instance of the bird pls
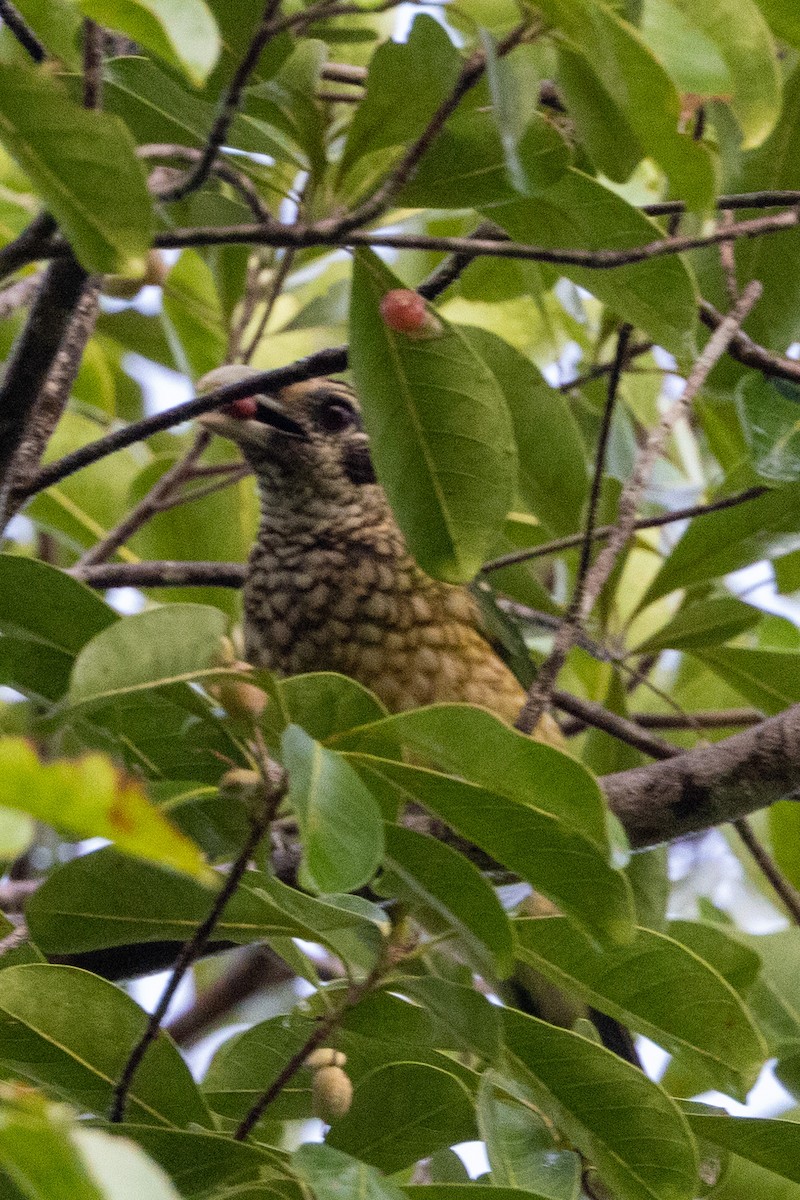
(331, 584)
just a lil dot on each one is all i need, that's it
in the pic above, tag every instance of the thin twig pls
(331, 361)
(722, 718)
(194, 948)
(239, 182)
(92, 64)
(601, 369)
(630, 496)
(148, 506)
(13, 940)
(615, 375)
(163, 573)
(344, 73)
(15, 892)
(333, 233)
(603, 531)
(748, 352)
(12, 19)
(190, 494)
(547, 673)
(321, 1031)
(770, 198)
(228, 106)
(770, 870)
(323, 362)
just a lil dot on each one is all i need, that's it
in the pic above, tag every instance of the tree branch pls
(331, 361)
(12, 19)
(170, 573)
(630, 497)
(192, 949)
(148, 506)
(32, 360)
(603, 531)
(229, 104)
(709, 785)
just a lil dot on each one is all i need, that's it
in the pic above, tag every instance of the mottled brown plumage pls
(331, 584)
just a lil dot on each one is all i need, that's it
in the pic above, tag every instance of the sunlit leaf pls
(91, 797)
(182, 32)
(440, 431)
(85, 167)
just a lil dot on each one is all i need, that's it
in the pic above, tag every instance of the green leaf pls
(476, 745)
(82, 508)
(535, 155)
(37, 1150)
(703, 623)
(521, 1149)
(198, 1162)
(72, 1032)
(620, 1120)
(768, 679)
(245, 1066)
(157, 109)
(403, 1112)
(555, 859)
(464, 1020)
(657, 296)
(340, 822)
(152, 648)
(640, 89)
(220, 527)
(440, 433)
(553, 480)
(769, 1142)
(660, 989)
(182, 32)
(783, 19)
(83, 163)
(774, 321)
(743, 40)
(326, 704)
(784, 835)
(91, 797)
(721, 542)
(332, 1175)
(34, 597)
(102, 900)
(405, 85)
(772, 426)
(422, 869)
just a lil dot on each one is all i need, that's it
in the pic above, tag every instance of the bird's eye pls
(336, 417)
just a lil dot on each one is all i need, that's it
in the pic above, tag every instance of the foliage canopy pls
(580, 190)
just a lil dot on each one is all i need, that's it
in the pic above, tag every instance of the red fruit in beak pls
(243, 409)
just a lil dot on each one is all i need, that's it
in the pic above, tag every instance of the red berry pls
(244, 408)
(403, 310)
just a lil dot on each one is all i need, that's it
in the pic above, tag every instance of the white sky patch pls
(162, 387)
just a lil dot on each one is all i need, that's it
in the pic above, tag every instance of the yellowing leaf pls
(91, 797)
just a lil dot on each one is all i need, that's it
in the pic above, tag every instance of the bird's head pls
(307, 434)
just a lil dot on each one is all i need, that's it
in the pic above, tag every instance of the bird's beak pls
(232, 420)
(228, 421)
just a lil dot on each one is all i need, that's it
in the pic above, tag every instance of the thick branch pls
(33, 357)
(711, 784)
